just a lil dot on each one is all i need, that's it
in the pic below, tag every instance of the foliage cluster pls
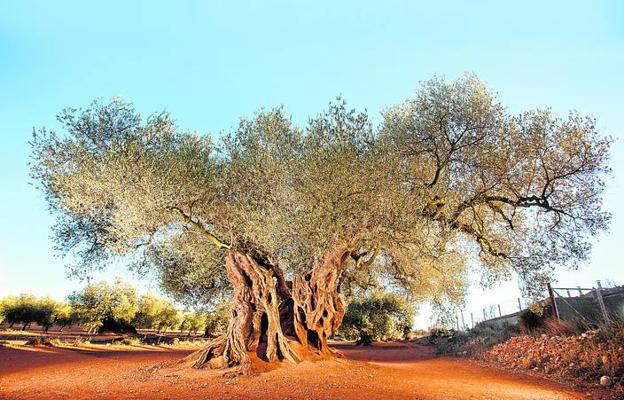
(100, 303)
(378, 316)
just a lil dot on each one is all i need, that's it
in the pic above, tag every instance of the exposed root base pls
(268, 322)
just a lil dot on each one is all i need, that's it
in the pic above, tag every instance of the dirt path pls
(397, 371)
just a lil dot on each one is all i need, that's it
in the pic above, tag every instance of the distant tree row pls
(105, 307)
(26, 309)
(117, 307)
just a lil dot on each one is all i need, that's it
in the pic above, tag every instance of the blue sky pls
(209, 63)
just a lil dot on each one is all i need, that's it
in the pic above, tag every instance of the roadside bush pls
(39, 341)
(77, 342)
(438, 332)
(530, 320)
(553, 326)
(130, 341)
(474, 341)
(380, 316)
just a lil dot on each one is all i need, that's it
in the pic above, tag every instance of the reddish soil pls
(385, 371)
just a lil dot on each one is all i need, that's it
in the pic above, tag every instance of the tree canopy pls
(449, 178)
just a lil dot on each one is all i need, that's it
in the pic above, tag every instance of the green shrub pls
(475, 341)
(39, 341)
(77, 342)
(131, 341)
(530, 321)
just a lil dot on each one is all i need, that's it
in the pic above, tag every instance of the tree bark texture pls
(275, 319)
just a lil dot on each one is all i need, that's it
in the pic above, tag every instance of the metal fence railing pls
(508, 309)
(592, 306)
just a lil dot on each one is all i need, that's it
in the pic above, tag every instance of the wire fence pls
(467, 318)
(590, 306)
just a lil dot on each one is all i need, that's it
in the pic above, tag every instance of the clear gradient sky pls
(209, 63)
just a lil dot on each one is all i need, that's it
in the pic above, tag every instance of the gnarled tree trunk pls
(271, 321)
(318, 307)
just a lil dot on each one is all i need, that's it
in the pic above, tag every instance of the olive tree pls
(193, 322)
(170, 318)
(286, 220)
(45, 312)
(377, 316)
(65, 315)
(104, 307)
(216, 320)
(153, 313)
(20, 309)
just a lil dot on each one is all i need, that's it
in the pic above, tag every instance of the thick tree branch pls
(200, 228)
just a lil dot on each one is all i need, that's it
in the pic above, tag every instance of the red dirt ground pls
(384, 371)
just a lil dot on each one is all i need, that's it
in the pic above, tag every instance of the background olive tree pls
(20, 309)
(156, 313)
(377, 316)
(103, 307)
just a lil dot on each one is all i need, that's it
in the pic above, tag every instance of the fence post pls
(500, 314)
(603, 309)
(519, 304)
(462, 317)
(553, 303)
(484, 317)
(471, 319)
(580, 291)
